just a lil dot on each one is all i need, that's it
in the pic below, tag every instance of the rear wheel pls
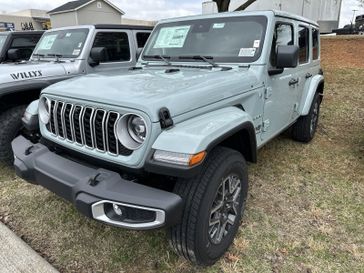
(214, 204)
(10, 127)
(305, 128)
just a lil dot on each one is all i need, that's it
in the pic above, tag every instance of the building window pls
(315, 44)
(283, 36)
(142, 38)
(99, 5)
(303, 43)
(116, 44)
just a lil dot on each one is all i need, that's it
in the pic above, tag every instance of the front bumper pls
(95, 191)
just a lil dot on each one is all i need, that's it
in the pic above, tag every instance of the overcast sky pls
(153, 9)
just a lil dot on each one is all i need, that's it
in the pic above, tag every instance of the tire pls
(11, 125)
(192, 238)
(305, 128)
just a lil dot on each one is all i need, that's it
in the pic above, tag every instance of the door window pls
(142, 38)
(303, 43)
(116, 44)
(283, 35)
(315, 43)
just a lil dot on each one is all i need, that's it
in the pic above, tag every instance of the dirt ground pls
(305, 210)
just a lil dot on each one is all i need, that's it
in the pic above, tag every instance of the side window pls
(303, 43)
(116, 44)
(142, 38)
(315, 44)
(283, 35)
(24, 42)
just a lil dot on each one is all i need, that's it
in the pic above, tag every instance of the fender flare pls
(309, 94)
(205, 132)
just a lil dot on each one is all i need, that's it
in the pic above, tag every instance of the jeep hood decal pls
(11, 73)
(151, 89)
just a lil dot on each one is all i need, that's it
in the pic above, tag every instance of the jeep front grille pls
(86, 126)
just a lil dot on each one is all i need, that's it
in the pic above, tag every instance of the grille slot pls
(86, 126)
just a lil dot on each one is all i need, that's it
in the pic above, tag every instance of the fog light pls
(117, 210)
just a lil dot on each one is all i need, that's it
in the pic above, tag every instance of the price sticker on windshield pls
(247, 52)
(172, 37)
(47, 42)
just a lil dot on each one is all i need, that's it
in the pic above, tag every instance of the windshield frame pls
(261, 19)
(52, 32)
(6, 35)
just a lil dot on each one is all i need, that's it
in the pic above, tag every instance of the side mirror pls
(14, 54)
(287, 56)
(97, 56)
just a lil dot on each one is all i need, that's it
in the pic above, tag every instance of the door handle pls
(308, 75)
(293, 82)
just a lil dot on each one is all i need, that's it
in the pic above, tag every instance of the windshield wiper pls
(57, 56)
(38, 55)
(207, 59)
(160, 57)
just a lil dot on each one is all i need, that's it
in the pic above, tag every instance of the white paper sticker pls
(47, 42)
(257, 43)
(247, 52)
(68, 34)
(172, 37)
(218, 25)
(76, 52)
(79, 45)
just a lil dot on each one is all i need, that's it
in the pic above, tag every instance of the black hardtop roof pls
(32, 32)
(115, 26)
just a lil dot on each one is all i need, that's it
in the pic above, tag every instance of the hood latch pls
(165, 118)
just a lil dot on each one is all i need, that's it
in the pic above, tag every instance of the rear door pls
(281, 93)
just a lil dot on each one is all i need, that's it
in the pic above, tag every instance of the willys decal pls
(26, 75)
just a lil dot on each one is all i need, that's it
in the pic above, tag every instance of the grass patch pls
(305, 210)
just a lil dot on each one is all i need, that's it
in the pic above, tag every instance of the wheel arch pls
(16, 98)
(229, 127)
(241, 139)
(316, 85)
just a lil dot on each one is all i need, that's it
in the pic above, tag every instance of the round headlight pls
(131, 131)
(44, 110)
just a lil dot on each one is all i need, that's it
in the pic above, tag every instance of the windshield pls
(232, 39)
(63, 43)
(2, 41)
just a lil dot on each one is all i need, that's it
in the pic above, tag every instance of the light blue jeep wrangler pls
(165, 144)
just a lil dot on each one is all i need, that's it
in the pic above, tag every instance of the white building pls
(325, 12)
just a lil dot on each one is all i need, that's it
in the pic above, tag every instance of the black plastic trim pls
(132, 27)
(74, 182)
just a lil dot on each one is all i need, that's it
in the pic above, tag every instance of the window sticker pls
(68, 34)
(76, 52)
(79, 45)
(172, 37)
(257, 43)
(247, 52)
(47, 42)
(218, 25)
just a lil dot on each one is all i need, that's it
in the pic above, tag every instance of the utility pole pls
(354, 12)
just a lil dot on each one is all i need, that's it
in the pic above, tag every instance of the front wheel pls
(214, 205)
(10, 127)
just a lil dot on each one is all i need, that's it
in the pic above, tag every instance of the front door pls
(282, 89)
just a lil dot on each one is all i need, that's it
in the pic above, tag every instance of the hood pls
(19, 72)
(150, 89)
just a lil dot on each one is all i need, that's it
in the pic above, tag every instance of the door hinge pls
(268, 92)
(266, 125)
